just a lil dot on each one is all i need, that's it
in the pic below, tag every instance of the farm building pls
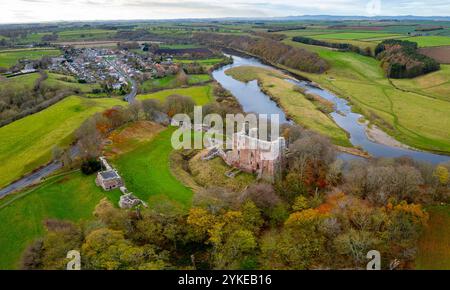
(108, 178)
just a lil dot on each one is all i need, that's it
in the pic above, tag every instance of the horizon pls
(50, 11)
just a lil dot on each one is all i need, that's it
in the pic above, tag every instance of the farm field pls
(70, 197)
(434, 245)
(9, 58)
(27, 143)
(85, 34)
(200, 94)
(295, 104)
(411, 117)
(148, 175)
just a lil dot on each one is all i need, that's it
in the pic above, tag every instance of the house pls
(108, 178)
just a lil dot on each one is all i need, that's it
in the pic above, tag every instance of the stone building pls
(253, 155)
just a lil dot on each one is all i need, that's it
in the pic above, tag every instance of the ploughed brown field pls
(440, 53)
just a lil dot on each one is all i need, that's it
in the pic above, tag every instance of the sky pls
(18, 11)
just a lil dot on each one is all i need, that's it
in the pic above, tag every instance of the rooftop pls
(110, 174)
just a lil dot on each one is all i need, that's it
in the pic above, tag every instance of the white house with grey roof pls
(108, 178)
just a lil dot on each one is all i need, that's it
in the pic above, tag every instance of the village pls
(114, 67)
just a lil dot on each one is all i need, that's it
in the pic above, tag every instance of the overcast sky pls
(51, 10)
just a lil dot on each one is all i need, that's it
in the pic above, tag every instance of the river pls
(254, 100)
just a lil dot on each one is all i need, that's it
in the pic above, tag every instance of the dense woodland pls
(341, 46)
(267, 49)
(401, 59)
(323, 214)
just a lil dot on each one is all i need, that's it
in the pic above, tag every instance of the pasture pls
(9, 58)
(435, 84)
(200, 94)
(70, 197)
(27, 143)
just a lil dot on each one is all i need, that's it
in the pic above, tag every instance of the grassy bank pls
(27, 143)
(294, 103)
(146, 171)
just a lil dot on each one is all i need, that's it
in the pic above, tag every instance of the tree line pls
(17, 102)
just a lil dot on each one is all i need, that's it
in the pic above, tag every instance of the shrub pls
(90, 166)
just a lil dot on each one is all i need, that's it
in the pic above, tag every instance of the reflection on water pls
(254, 100)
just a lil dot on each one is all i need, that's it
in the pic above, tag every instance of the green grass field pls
(295, 104)
(27, 143)
(85, 34)
(71, 197)
(146, 171)
(9, 58)
(427, 41)
(200, 94)
(413, 118)
(56, 80)
(434, 246)
(195, 79)
(207, 63)
(20, 83)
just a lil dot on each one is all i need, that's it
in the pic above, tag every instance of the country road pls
(31, 179)
(132, 95)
